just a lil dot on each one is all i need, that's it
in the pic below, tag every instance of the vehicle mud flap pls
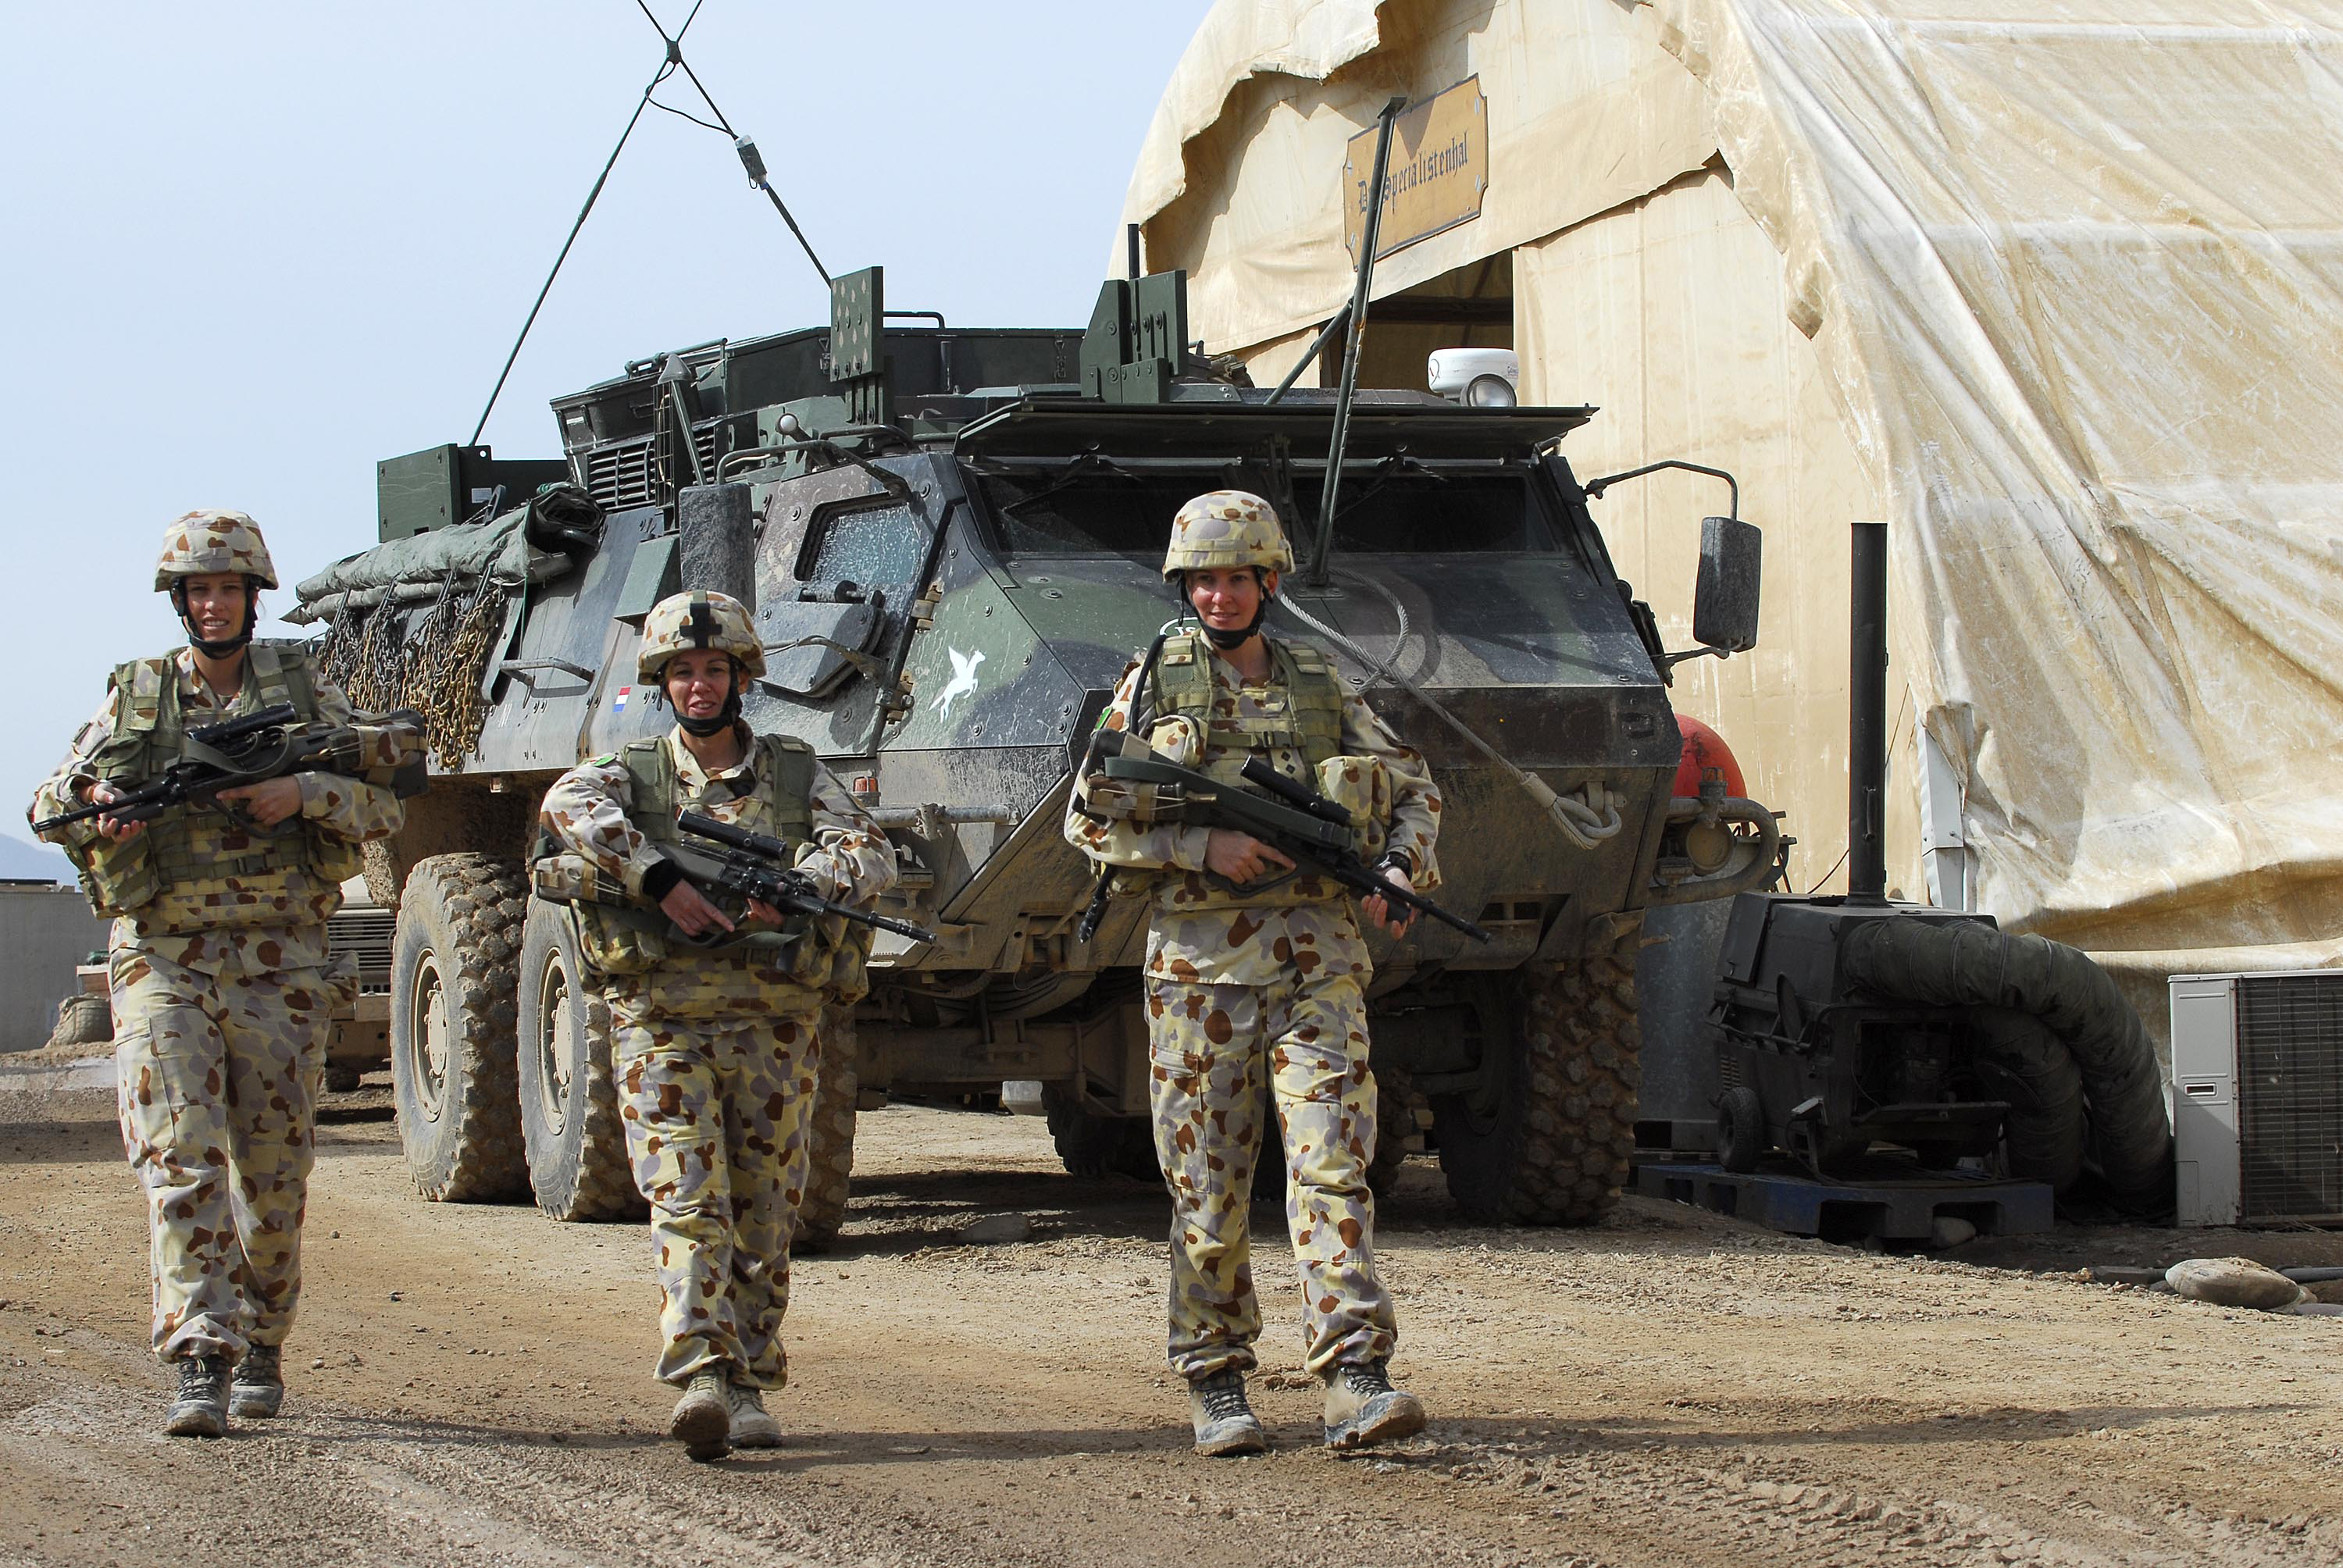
(570, 1120)
(830, 1133)
(1546, 1140)
(452, 1022)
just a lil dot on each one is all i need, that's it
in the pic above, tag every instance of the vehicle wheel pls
(570, 1120)
(1394, 1124)
(452, 1066)
(84, 1019)
(1740, 1137)
(1548, 1142)
(829, 1131)
(1089, 1144)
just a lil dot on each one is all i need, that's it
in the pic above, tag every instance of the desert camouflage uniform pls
(223, 999)
(1243, 987)
(716, 1054)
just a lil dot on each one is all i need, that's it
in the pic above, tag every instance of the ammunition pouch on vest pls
(201, 869)
(621, 935)
(1310, 724)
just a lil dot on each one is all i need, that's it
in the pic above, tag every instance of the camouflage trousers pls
(219, 1094)
(717, 1113)
(1211, 1048)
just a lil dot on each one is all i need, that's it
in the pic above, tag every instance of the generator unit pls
(2257, 1098)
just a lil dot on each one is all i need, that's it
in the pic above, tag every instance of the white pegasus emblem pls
(963, 680)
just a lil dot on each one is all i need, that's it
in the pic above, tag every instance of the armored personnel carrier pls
(950, 539)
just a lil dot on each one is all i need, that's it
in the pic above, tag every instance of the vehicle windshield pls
(1036, 512)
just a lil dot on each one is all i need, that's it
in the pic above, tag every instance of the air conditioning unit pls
(2257, 1098)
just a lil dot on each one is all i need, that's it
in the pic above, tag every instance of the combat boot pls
(752, 1426)
(1225, 1423)
(1362, 1406)
(201, 1408)
(258, 1391)
(702, 1421)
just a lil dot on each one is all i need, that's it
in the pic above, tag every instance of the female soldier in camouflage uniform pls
(714, 1047)
(223, 997)
(1254, 971)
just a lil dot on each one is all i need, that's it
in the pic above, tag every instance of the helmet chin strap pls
(225, 647)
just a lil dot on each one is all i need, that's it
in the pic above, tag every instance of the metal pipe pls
(1323, 550)
(1866, 783)
(1317, 346)
(1131, 244)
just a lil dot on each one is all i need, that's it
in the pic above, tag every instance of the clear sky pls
(253, 248)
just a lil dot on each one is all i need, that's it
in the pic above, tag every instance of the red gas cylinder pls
(1704, 748)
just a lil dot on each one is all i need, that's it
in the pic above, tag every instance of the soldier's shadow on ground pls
(894, 1214)
(1762, 1423)
(798, 1451)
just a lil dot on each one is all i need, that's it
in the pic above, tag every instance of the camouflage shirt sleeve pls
(851, 858)
(1151, 847)
(1415, 798)
(346, 808)
(586, 812)
(61, 792)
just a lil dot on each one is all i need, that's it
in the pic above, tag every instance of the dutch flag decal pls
(618, 703)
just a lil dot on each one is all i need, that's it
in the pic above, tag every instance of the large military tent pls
(2050, 286)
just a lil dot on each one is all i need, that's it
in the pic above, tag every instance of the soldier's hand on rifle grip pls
(692, 913)
(113, 827)
(1393, 918)
(269, 802)
(1241, 857)
(764, 913)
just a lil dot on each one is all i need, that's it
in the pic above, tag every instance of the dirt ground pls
(471, 1385)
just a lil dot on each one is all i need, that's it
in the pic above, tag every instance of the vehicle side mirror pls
(1724, 599)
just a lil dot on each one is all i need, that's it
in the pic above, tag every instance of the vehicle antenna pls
(1355, 325)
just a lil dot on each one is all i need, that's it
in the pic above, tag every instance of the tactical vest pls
(202, 869)
(616, 940)
(1310, 723)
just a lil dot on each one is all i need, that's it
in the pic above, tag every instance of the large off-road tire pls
(1741, 1136)
(1089, 1144)
(570, 1119)
(1394, 1125)
(829, 1134)
(452, 1069)
(1550, 1145)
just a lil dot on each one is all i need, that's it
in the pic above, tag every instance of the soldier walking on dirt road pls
(1255, 972)
(714, 1043)
(224, 993)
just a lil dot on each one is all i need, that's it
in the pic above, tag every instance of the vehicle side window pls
(884, 544)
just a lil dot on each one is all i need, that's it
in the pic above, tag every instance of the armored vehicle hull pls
(951, 542)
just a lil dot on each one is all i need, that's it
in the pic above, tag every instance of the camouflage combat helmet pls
(1227, 528)
(214, 541)
(700, 619)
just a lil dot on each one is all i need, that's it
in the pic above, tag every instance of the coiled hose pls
(2040, 1000)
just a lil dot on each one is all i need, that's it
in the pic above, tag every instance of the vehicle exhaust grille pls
(365, 934)
(619, 477)
(2290, 1097)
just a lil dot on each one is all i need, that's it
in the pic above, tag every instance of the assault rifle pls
(1314, 833)
(258, 747)
(758, 867)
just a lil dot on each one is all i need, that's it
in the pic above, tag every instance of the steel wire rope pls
(667, 68)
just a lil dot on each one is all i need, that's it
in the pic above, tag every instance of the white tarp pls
(2051, 285)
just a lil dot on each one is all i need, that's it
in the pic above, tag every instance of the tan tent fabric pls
(2053, 288)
